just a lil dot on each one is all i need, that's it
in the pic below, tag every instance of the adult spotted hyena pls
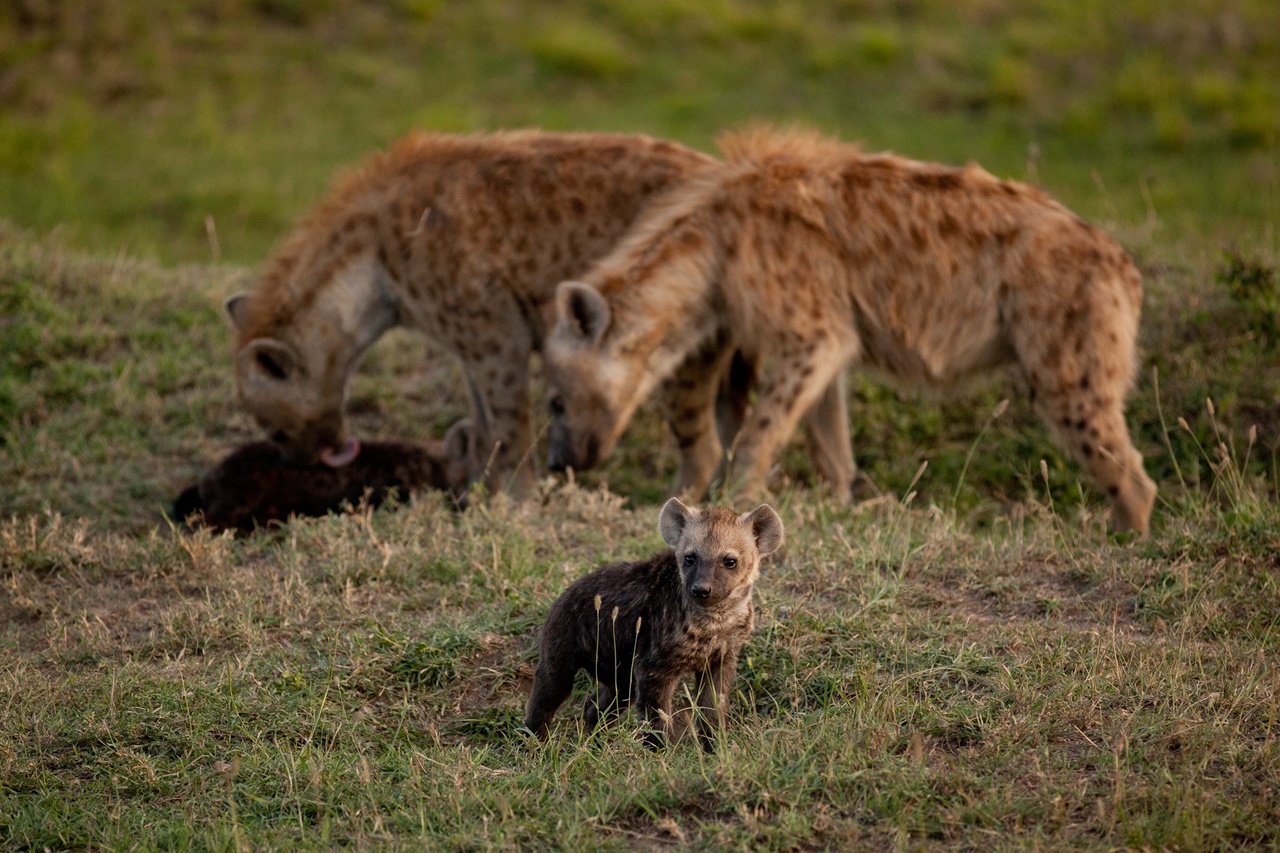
(637, 628)
(810, 255)
(463, 238)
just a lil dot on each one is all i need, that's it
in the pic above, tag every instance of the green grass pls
(962, 659)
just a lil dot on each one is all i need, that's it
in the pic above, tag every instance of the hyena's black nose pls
(700, 592)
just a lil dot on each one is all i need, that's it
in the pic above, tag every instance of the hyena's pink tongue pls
(344, 455)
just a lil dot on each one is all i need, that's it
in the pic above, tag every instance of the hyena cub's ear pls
(765, 525)
(237, 309)
(584, 309)
(673, 521)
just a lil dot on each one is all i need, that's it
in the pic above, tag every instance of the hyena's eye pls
(730, 563)
(556, 404)
(690, 560)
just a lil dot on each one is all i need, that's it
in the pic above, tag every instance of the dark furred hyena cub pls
(254, 487)
(636, 628)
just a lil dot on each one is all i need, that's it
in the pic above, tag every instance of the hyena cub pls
(636, 628)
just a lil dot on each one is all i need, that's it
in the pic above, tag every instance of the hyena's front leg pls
(689, 400)
(788, 390)
(497, 370)
(827, 424)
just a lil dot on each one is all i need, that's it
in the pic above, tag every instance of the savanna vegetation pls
(964, 658)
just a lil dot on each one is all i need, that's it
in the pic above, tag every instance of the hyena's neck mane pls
(662, 281)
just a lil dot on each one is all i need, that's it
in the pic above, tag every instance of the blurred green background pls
(151, 127)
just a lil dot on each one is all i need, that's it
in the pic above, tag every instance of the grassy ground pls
(962, 659)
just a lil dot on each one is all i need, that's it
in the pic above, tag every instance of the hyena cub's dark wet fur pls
(253, 487)
(636, 628)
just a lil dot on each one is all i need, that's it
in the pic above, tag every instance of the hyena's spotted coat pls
(463, 238)
(810, 255)
(637, 628)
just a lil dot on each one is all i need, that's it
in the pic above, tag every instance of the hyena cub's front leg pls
(713, 686)
(655, 695)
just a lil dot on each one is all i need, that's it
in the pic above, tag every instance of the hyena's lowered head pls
(256, 486)
(637, 628)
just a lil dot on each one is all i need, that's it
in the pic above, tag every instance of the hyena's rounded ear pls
(237, 309)
(766, 526)
(267, 360)
(584, 309)
(459, 439)
(674, 519)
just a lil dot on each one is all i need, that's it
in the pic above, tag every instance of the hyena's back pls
(939, 272)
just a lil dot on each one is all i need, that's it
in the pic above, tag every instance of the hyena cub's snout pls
(700, 585)
(700, 576)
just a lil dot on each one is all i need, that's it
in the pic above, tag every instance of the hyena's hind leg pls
(1079, 375)
(1093, 429)
(552, 684)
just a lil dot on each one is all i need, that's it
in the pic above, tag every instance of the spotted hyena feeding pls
(463, 238)
(809, 256)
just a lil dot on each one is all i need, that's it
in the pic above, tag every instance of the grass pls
(964, 658)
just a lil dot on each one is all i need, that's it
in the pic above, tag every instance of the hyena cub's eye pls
(556, 404)
(730, 563)
(690, 560)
